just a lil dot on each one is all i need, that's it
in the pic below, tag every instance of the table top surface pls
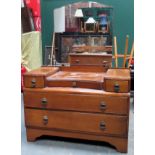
(77, 76)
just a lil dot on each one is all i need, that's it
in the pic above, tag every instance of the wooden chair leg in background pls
(52, 50)
(126, 50)
(115, 52)
(131, 55)
(125, 56)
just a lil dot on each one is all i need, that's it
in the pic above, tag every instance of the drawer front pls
(34, 82)
(77, 102)
(117, 86)
(79, 122)
(91, 60)
(74, 84)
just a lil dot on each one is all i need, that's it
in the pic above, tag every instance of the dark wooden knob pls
(103, 105)
(77, 61)
(45, 120)
(33, 83)
(105, 64)
(116, 87)
(74, 84)
(102, 125)
(44, 101)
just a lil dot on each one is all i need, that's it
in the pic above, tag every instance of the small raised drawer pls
(117, 86)
(36, 78)
(117, 80)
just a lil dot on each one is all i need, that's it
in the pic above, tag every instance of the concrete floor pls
(61, 146)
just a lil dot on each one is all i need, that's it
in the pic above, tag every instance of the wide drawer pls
(78, 102)
(77, 122)
(104, 60)
(75, 84)
(76, 79)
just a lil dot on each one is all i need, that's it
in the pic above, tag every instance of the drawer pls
(91, 60)
(76, 79)
(34, 82)
(117, 80)
(77, 122)
(107, 104)
(75, 84)
(118, 86)
(36, 78)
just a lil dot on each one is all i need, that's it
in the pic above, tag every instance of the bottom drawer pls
(75, 121)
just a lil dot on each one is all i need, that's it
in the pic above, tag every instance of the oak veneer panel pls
(42, 71)
(85, 122)
(80, 76)
(78, 102)
(84, 68)
(118, 73)
(82, 91)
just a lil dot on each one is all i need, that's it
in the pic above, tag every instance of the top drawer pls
(87, 59)
(76, 99)
(117, 80)
(36, 78)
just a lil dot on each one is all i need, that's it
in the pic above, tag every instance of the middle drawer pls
(77, 102)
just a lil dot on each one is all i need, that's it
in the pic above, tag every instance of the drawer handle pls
(116, 87)
(103, 106)
(102, 125)
(45, 120)
(74, 84)
(105, 64)
(33, 83)
(44, 101)
(77, 61)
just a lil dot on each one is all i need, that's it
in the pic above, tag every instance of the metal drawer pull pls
(116, 87)
(33, 83)
(44, 101)
(103, 106)
(102, 126)
(77, 61)
(45, 120)
(105, 65)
